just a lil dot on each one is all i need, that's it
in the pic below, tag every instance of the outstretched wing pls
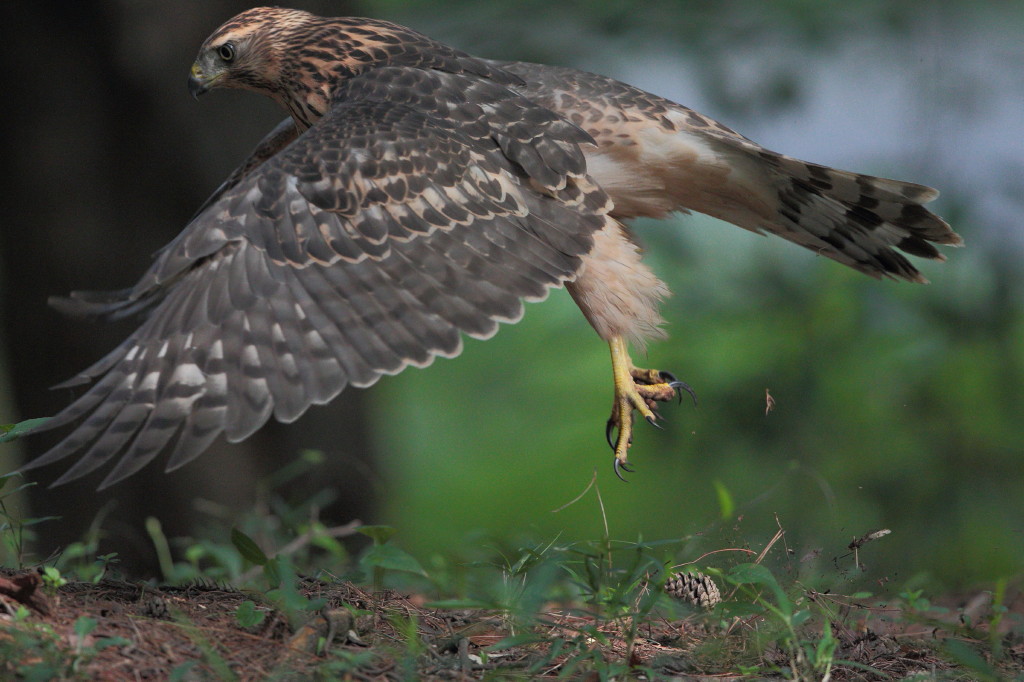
(423, 205)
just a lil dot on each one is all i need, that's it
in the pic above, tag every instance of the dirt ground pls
(123, 631)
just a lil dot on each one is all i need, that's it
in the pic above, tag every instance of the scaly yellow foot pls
(640, 390)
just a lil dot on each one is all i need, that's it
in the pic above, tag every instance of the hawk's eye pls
(226, 51)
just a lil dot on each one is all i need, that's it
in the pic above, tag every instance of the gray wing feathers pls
(369, 244)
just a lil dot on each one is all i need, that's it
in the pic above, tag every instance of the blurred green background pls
(896, 405)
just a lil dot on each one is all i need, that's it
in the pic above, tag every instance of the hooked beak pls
(198, 83)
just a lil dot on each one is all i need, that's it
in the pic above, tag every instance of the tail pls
(858, 220)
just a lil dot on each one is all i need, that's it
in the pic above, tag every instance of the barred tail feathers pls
(857, 219)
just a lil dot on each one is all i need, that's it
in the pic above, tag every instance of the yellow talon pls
(635, 389)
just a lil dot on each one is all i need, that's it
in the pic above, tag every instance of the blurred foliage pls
(895, 406)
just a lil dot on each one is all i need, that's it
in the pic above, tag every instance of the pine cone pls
(695, 588)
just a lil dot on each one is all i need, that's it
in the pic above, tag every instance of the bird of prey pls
(416, 193)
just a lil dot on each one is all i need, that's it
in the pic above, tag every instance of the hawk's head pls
(246, 51)
(299, 59)
(292, 56)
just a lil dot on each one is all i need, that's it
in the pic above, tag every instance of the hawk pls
(417, 193)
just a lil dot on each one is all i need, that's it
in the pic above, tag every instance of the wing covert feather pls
(368, 243)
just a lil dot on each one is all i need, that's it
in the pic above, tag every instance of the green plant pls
(785, 617)
(9, 432)
(52, 580)
(802, 628)
(34, 651)
(382, 556)
(281, 578)
(247, 616)
(408, 632)
(999, 610)
(285, 526)
(15, 532)
(915, 600)
(978, 649)
(81, 558)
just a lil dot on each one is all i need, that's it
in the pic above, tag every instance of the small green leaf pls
(391, 558)
(964, 654)
(800, 617)
(107, 642)
(379, 534)
(26, 523)
(248, 616)
(248, 548)
(24, 486)
(272, 570)
(84, 626)
(826, 649)
(52, 577)
(756, 574)
(725, 504)
(13, 431)
(183, 672)
(314, 457)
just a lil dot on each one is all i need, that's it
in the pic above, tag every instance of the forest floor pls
(114, 630)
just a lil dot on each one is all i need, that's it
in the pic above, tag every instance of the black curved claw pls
(608, 429)
(676, 384)
(618, 464)
(655, 424)
(668, 377)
